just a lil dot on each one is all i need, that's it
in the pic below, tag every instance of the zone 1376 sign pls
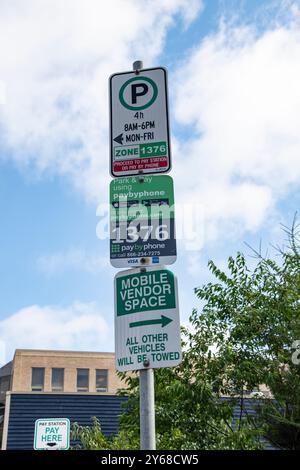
(142, 223)
(147, 326)
(139, 125)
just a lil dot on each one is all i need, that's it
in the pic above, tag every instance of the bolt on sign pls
(52, 434)
(142, 223)
(139, 123)
(147, 327)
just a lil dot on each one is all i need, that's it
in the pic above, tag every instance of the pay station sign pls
(147, 326)
(139, 126)
(52, 434)
(142, 223)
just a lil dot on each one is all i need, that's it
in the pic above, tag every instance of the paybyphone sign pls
(142, 221)
(139, 124)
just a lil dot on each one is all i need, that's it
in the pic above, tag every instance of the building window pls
(37, 379)
(5, 383)
(101, 380)
(82, 380)
(57, 379)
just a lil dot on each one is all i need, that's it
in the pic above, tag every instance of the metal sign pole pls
(147, 409)
(147, 412)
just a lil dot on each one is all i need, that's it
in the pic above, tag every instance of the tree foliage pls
(92, 438)
(251, 319)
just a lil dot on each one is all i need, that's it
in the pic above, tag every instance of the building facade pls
(72, 384)
(23, 409)
(64, 372)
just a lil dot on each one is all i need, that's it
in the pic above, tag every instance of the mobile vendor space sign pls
(147, 327)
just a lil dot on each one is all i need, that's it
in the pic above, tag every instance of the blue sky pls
(234, 74)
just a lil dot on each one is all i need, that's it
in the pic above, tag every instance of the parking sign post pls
(142, 233)
(147, 397)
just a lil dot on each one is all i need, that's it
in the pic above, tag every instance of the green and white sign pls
(142, 222)
(139, 125)
(52, 434)
(147, 326)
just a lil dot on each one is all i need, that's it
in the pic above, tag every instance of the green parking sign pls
(142, 221)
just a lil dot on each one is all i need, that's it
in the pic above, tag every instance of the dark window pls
(5, 383)
(101, 380)
(37, 379)
(57, 379)
(82, 380)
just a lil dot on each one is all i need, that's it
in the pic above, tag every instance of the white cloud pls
(76, 327)
(2, 92)
(72, 259)
(239, 91)
(56, 57)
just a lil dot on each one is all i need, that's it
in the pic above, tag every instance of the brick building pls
(64, 371)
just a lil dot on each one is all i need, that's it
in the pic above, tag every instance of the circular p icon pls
(138, 93)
